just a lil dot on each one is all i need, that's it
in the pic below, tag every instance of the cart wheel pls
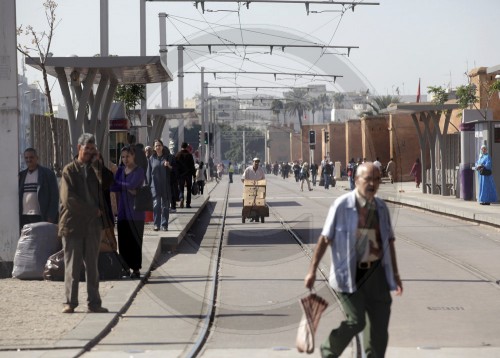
(262, 219)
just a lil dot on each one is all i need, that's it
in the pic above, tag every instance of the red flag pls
(418, 91)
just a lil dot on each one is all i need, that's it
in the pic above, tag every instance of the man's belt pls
(367, 264)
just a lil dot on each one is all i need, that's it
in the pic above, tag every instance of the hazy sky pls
(399, 40)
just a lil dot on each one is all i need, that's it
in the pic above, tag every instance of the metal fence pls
(41, 140)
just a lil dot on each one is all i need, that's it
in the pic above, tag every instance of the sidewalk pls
(407, 194)
(30, 311)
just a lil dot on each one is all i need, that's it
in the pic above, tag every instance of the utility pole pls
(164, 85)
(143, 132)
(9, 118)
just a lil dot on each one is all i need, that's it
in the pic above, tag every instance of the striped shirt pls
(30, 197)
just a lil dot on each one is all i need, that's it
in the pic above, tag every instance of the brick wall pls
(354, 148)
(375, 137)
(404, 145)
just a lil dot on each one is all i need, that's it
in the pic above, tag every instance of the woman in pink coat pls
(416, 171)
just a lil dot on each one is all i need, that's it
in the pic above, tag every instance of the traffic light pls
(312, 137)
(200, 139)
(206, 138)
(327, 137)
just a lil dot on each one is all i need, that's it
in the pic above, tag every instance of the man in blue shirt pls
(364, 267)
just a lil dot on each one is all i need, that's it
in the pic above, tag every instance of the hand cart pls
(254, 200)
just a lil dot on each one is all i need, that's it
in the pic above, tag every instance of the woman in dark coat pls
(128, 178)
(158, 177)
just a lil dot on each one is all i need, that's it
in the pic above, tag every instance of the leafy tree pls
(297, 103)
(40, 47)
(467, 95)
(439, 94)
(131, 96)
(233, 148)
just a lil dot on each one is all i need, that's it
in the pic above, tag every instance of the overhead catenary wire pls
(241, 30)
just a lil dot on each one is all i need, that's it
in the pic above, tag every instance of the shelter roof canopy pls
(125, 69)
(171, 113)
(411, 108)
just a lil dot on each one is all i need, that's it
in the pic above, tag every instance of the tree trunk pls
(56, 167)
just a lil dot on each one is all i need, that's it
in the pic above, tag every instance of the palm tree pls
(338, 99)
(379, 103)
(325, 101)
(277, 106)
(297, 103)
(314, 103)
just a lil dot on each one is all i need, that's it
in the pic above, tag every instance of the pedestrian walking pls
(487, 190)
(296, 171)
(130, 225)
(391, 170)
(304, 176)
(186, 171)
(314, 173)
(351, 173)
(416, 171)
(38, 192)
(83, 217)
(364, 268)
(230, 171)
(158, 177)
(201, 177)
(327, 173)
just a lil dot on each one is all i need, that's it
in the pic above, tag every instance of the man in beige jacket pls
(83, 216)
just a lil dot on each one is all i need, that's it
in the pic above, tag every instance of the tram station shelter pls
(92, 82)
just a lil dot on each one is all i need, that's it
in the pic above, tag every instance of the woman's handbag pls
(484, 171)
(143, 200)
(195, 189)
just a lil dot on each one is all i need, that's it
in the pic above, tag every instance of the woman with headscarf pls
(487, 190)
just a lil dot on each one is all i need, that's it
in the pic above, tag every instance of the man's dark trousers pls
(373, 299)
(187, 181)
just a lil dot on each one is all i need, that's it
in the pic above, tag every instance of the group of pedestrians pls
(81, 204)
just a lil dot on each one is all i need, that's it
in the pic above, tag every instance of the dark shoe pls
(164, 228)
(98, 309)
(135, 274)
(188, 206)
(156, 228)
(68, 309)
(173, 210)
(181, 205)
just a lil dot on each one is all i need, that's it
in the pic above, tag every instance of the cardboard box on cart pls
(254, 200)
(254, 193)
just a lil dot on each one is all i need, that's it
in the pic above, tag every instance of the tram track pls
(211, 312)
(206, 324)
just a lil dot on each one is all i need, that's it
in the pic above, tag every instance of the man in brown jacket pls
(82, 217)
